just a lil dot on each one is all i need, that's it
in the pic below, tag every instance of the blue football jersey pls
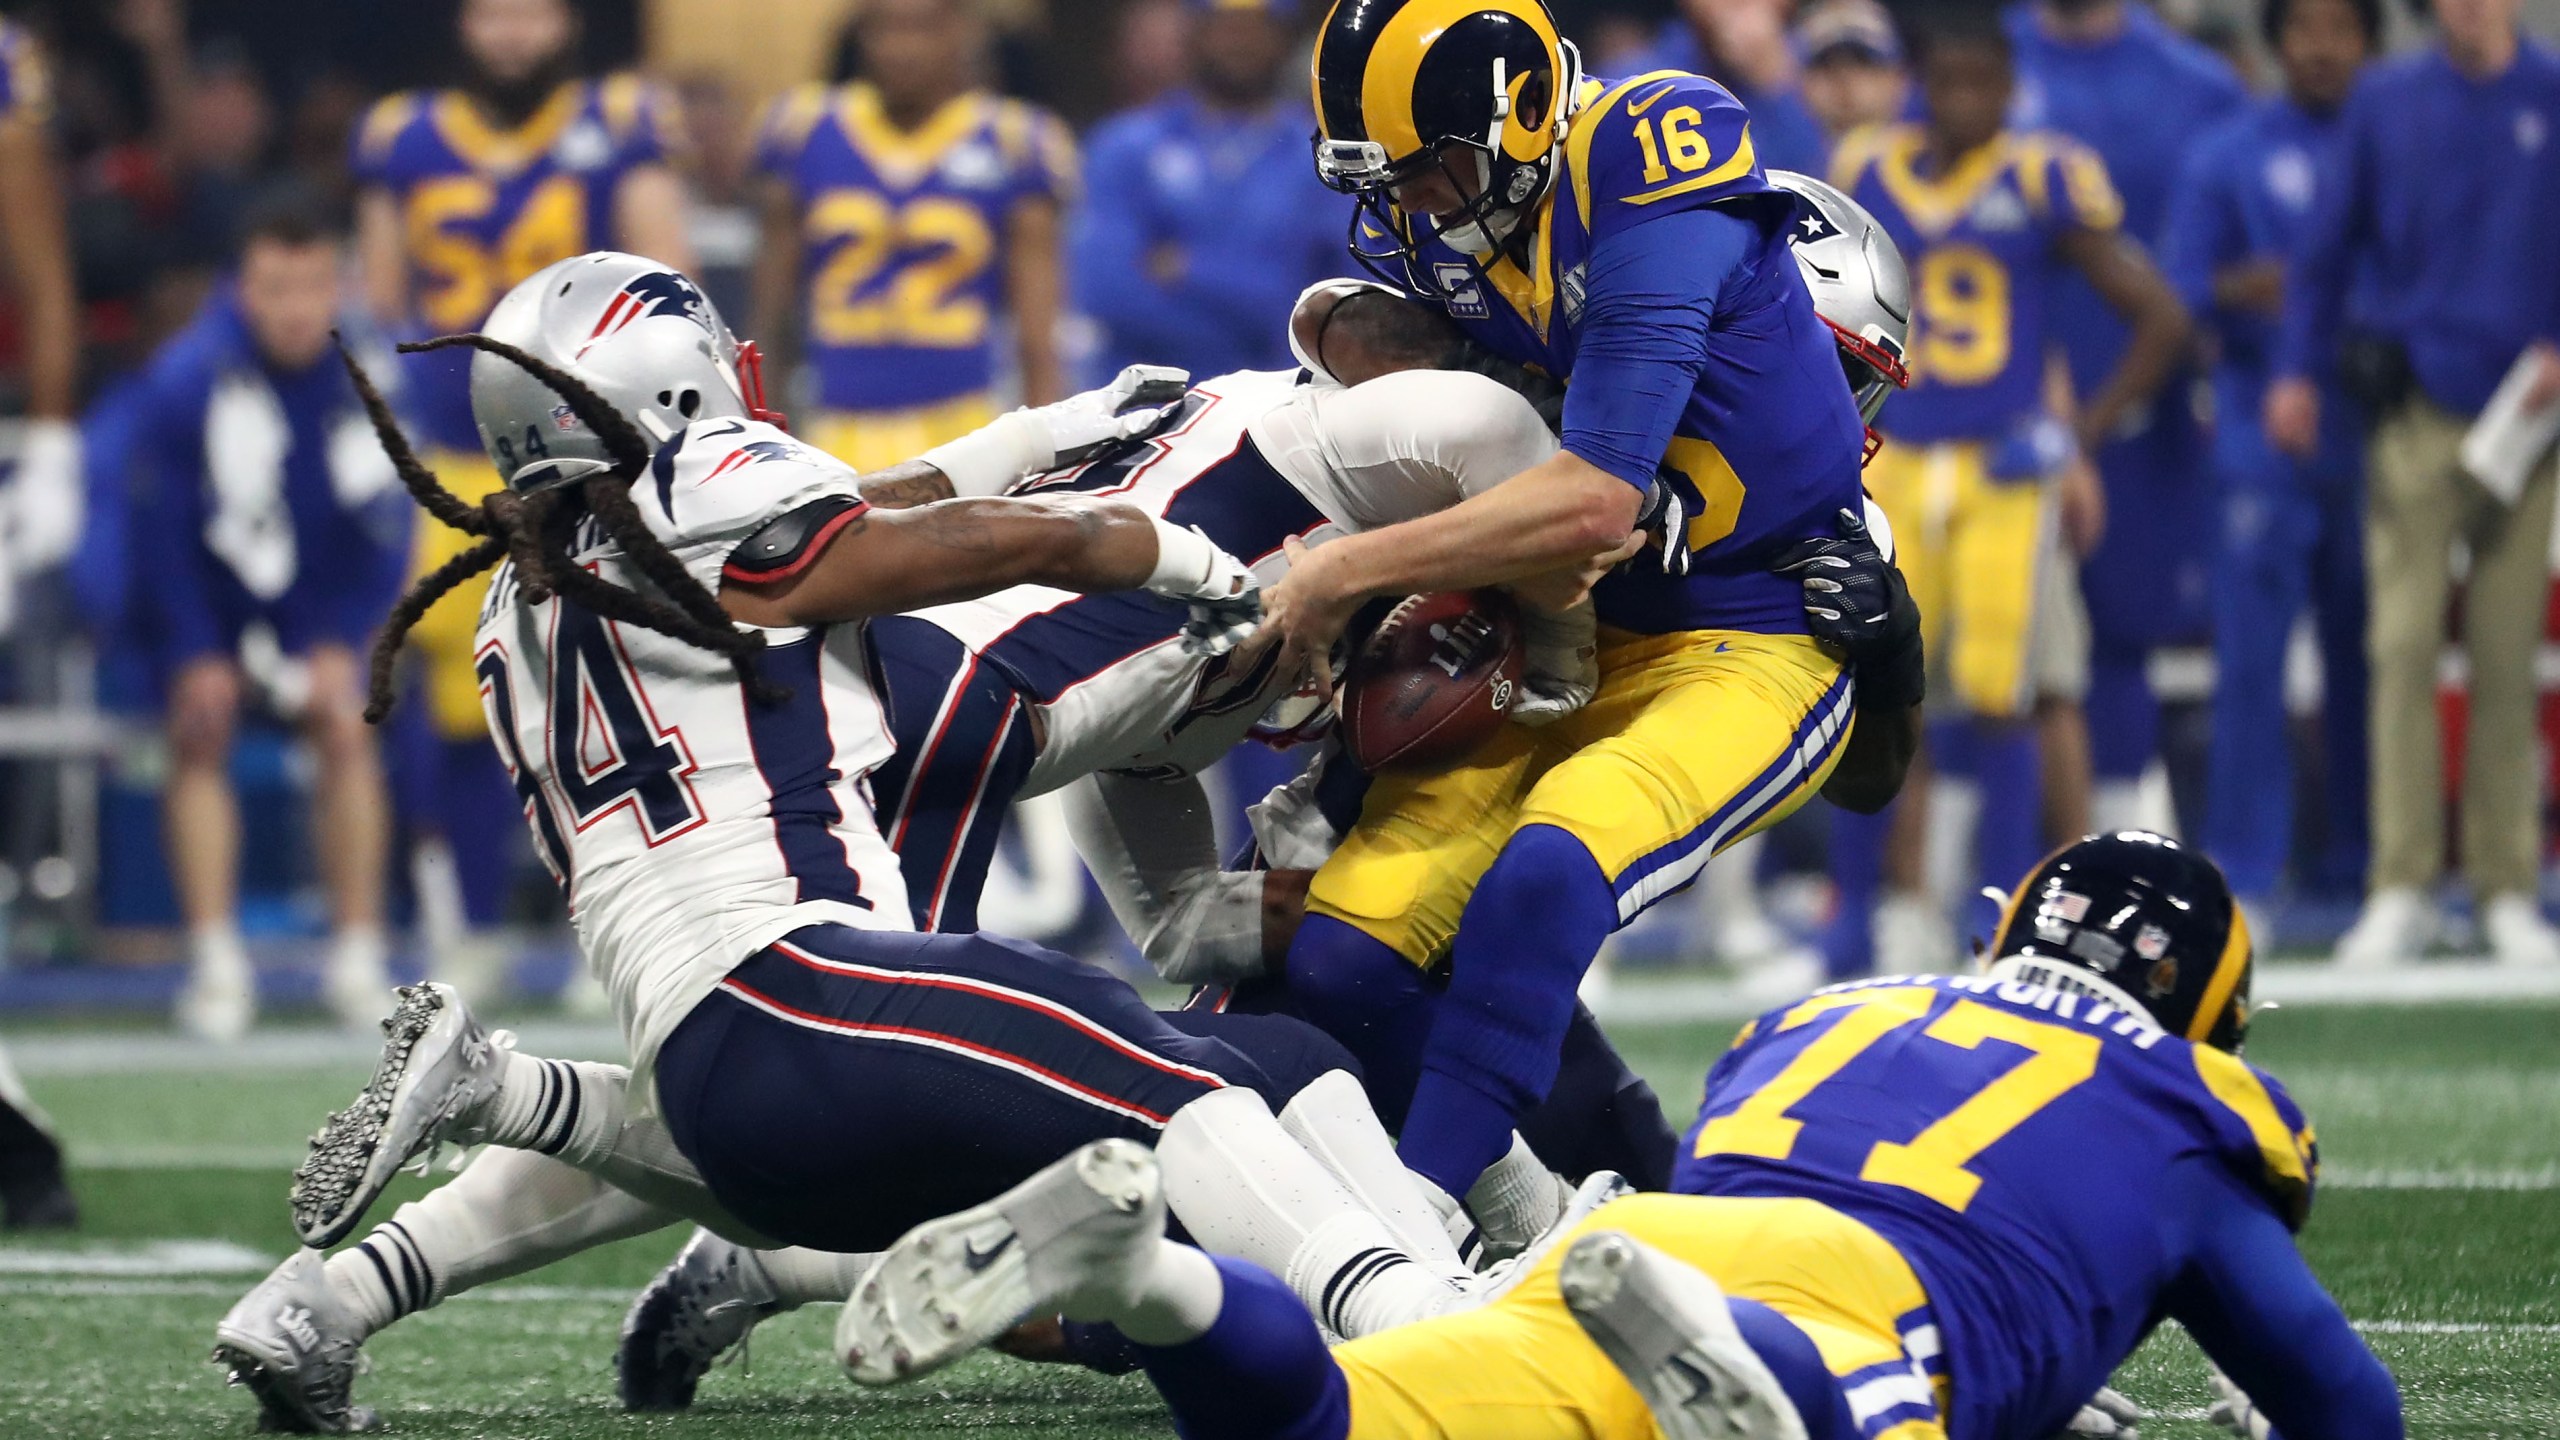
(1765, 449)
(2052, 1167)
(1982, 242)
(903, 234)
(482, 208)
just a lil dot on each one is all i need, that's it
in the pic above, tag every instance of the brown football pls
(1432, 682)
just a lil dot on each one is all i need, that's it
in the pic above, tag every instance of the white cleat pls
(2394, 929)
(2518, 935)
(951, 1285)
(698, 1309)
(219, 1004)
(1667, 1328)
(1598, 1188)
(293, 1344)
(438, 1069)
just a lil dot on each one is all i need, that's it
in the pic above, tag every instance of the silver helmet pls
(638, 333)
(1859, 285)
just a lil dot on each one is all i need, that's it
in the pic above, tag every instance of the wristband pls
(1185, 559)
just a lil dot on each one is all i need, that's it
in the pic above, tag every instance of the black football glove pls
(1855, 601)
(1665, 521)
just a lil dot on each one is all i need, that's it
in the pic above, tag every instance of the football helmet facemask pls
(1478, 90)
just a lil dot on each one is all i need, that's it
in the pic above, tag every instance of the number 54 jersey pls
(2053, 1168)
(689, 825)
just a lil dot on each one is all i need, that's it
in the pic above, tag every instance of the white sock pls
(1517, 1198)
(1332, 1120)
(216, 952)
(1242, 1187)
(1173, 1302)
(570, 1108)
(811, 1277)
(508, 1212)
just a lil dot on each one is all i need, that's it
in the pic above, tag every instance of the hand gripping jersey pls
(482, 208)
(1766, 445)
(689, 827)
(2058, 1173)
(1255, 458)
(1982, 245)
(903, 237)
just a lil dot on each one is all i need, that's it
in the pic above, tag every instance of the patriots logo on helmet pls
(659, 292)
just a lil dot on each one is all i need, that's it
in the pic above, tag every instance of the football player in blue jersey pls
(1623, 238)
(2117, 78)
(2292, 530)
(907, 215)
(1911, 1209)
(271, 507)
(1202, 222)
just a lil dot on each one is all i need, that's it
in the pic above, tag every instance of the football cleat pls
(696, 1310)
(292, 1343)
(1667, 1328)
(438, 1069)
(1597, 1189)
(951, 1285)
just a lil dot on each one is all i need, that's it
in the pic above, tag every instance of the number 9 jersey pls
(2058, 1172)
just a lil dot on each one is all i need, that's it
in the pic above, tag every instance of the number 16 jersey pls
(690, 826)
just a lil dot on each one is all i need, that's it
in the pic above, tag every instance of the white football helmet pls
(1860, 286)
(638, 333)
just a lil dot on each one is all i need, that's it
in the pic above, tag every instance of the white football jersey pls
(1256, 457)
(690, 827)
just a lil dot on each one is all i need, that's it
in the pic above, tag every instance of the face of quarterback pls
(289, 296)
(1965, 84)
(920, 52)
(2321, 46)
(1442, 193)
(512, 41)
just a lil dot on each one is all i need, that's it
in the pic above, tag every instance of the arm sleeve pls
(2316, 290)
(1652, 289)
(2254, 1306)
(1406, 445)
(1153, 847)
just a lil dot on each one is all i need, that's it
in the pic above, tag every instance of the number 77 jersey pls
(2051, 1166)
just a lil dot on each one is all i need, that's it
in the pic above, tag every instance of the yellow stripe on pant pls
(1969, 546)
(1522, 1369)
(1695, 740)
(871, 440)
(444, 636)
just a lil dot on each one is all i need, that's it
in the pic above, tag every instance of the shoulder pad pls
(1858, 152)
(719, 481)
(2279, 1147)
(384, 124)
(2065, 181)
(792, 115)
(791, 543)
(1667, 137)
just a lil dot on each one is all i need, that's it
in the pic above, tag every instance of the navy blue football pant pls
(965, 746)
(842, 1086)
(2291, 533)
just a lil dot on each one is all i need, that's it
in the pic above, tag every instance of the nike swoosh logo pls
(977, 1259)
(1641, 106)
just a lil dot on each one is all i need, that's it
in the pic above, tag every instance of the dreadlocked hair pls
(535, 531)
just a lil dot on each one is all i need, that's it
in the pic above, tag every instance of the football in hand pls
(1432, 682)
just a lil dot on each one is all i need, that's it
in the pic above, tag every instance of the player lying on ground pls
(1915, 1208)
(675, 674)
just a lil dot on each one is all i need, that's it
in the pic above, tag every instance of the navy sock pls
(1791, 1357)
(2009, 838)
(1260, 1373)
(1530, 931)
(1354, 987)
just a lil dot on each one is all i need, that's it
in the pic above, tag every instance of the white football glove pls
(2107, 1416)
(988, 460)
(1562, 669)
(1223, 592)
(46, 502)
(2234, 1411)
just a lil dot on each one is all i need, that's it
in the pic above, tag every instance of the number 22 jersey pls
(690, 826)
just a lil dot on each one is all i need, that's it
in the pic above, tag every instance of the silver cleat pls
(293, 1345)
(438, 1066)
(697, 1310)
(1666, 1326)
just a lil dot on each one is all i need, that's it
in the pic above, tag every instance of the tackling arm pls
(1152, 846)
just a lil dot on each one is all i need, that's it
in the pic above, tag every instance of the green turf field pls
(2439, 1228)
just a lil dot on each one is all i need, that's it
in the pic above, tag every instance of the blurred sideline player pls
(272, 510)
(906, 215)
(1975, 464)
(1853, 70)
(2114, 75)
(1200, 222)
(2292, 530)
(41, 505)
(1911, 1209)
(1606, 254)
(462, 193)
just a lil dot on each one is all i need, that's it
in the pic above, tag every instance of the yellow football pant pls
(871, 440)
(1970, 547)
(1695, 740)
(443, 637)
(1522, 1368)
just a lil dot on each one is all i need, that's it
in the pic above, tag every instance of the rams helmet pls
(2134, 918)
(1477, 89)
(1860, 286)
